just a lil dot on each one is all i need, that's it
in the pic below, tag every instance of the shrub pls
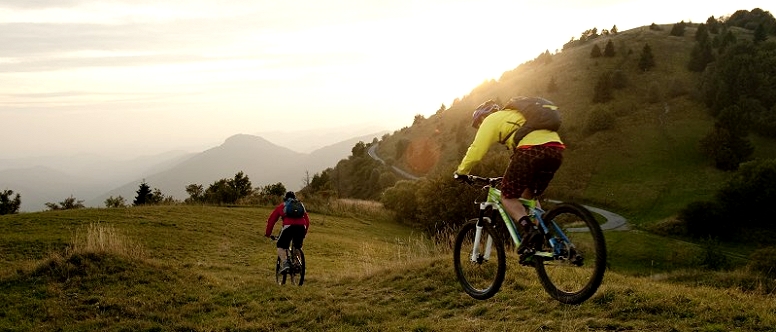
(712, 257)
(600, 118)
(764, 261)
(69, 203)
(401, 199)
(704, 219)
(9, 205)
(115, 202)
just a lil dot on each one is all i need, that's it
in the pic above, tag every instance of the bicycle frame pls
(493, 201)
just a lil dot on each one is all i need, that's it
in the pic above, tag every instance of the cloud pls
(40, 4)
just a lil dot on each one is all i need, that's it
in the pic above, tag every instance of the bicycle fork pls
(475, 256)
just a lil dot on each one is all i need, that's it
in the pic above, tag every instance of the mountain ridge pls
(96, 178)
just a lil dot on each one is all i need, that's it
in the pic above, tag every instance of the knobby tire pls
(561, 279)
(481, 279)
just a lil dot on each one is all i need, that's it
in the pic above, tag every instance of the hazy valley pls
(94, 178)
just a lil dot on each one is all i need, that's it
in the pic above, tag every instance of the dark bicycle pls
(297, 270)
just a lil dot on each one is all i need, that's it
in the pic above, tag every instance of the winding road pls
(614, 222)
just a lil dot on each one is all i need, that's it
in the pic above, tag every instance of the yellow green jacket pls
(493, 129)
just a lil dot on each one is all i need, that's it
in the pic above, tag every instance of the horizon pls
(131, 79)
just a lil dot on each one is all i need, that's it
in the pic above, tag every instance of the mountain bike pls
(297, 270)
(570, 262)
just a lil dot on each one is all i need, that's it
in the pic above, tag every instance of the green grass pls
(187, 268)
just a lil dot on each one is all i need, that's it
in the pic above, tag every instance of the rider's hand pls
(461, 177)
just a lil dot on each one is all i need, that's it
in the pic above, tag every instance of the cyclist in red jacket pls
(294, 229)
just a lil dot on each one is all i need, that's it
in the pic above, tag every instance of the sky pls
(125, 78)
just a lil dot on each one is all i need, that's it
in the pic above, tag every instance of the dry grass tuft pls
(103, 238)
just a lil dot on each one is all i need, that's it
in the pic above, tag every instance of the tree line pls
(234, 191)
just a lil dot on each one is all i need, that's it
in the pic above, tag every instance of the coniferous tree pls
(143, 194)
(713, 25)
(595, 52)
(609, 49)
(700, 56)
(614, 30)
(759, 34)
(678, 29)
(702, 33)
(647, 60)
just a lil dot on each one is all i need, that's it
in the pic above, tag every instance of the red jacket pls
(278, 213)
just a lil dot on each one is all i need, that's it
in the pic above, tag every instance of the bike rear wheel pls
(479, 265)
(577, 267)
(297, 267)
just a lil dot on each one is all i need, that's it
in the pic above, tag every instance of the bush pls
(401, 199)
(600, 118)
(764, 261)
(712, 257)
(9, 205)
(750, 193)
(704, 219)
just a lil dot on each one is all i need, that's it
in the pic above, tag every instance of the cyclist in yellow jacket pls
(535, 159)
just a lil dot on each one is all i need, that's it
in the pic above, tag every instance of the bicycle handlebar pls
(479, 180)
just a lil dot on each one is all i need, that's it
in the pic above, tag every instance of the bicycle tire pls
(575, 272)
(280, 278)
(298, 270)
(481, 278)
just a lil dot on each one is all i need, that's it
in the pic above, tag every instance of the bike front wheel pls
(479, 259)
(576, 268)
(298, 267)
(280, 277)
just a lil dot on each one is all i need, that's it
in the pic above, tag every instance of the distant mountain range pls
(93, 179)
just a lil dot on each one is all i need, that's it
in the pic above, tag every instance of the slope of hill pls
(195, 268)
(641, 157)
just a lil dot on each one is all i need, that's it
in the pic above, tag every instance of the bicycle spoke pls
(576, 269)
(480, 265)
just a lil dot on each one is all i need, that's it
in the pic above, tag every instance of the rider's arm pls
(273, 218)
(306, 222)
(485, 137)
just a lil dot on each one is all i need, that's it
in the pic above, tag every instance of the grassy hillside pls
(186, 268)
(646, 165)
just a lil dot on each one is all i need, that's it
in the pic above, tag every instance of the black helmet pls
(482, 111)
(289, 194)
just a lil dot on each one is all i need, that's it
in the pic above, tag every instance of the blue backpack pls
(293, 208)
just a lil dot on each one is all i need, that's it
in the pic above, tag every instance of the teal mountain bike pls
(570, 261)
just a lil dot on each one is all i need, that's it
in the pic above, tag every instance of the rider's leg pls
(282, 254)
(513, 206)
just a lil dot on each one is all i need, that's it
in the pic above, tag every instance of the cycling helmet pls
(482, 111)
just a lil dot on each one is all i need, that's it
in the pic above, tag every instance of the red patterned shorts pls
(531, 168)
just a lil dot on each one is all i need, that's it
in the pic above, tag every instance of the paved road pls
(373, 153)
(613, 221)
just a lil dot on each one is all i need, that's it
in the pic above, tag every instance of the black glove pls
(462, 178)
